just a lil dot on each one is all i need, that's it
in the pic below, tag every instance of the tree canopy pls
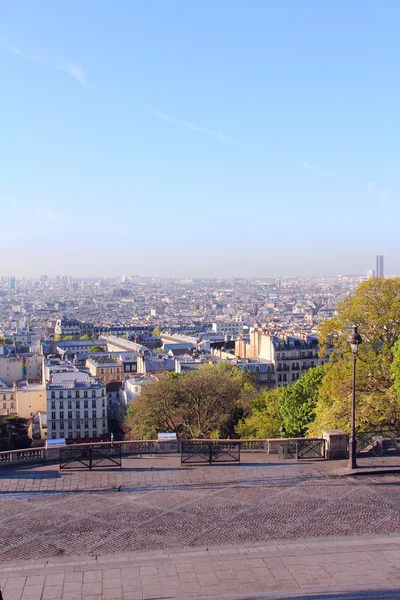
(95, 349)
(14, 434)
(375, 308)
(298, 402)
(200, 404)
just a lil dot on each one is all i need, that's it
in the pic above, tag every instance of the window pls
(93, 403)
(284, 377)
(103, 403)
(78, 414)
(94, 414)
(53, 425)
(69, 424)
(69, 395)
(53, 414)
(104, 412)
(69, 404)
(103, 392)
(62, 425)
(61, 405)
(78, 404)
(78, 434)
(54, 435)
(61, 394)
(12, 405)
(4, 405)
(61, 414)
(102, 371)
(53, 394)
(93, 393)
(279, 377)
(70, 414)
(86, 434)
(94, 433)
(94, 424)
(86, 414)
(85, 404)
(86, 424)
(78, 425)
(117, 378)
(70, 435)
(85, 394)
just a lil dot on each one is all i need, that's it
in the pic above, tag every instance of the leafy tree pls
(5, 340)
(265, 417)
(14, 434)
(375, 307)
(95, 349)
(298, 402)
(86, 337)
(156, 332)
(70, 338)
(205, 403)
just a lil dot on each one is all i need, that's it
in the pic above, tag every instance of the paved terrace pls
(259, 529)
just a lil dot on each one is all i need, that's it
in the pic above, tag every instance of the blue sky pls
(199, 138)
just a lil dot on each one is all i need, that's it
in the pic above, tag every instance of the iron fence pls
(210, 452)
(90, 457)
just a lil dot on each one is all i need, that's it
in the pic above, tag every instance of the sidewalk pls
(233, 572)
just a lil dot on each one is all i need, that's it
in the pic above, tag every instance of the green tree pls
(205, 403)
(265, 417)
(375, 307)
(95, 349)
(14, 434)
(298, 402)
(5, 340)
(86, 337)
(156, 332)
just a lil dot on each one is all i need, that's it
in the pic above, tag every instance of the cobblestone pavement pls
(357, 568)
(162, 506)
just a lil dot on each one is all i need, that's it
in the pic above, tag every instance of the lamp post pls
(354, 341)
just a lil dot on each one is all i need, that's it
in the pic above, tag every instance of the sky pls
(199, 139)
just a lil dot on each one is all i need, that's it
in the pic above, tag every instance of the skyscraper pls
(379, 266)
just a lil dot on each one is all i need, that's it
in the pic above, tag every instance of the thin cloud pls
(307, 165)
(380, 192)
(73, 69)
(216, 134)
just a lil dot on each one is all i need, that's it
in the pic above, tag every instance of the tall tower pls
(379, 266)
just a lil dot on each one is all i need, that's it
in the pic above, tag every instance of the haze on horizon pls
(199, 140)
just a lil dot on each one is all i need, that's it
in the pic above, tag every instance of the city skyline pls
(199, 140)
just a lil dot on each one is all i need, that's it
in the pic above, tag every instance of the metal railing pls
(133, 448)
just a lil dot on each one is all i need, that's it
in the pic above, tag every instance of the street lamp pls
(354, 341)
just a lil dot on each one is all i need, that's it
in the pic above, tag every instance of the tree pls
(265, 417)
(205, 403)
(14, 434)
(156, 332)
(375, 307)
(298, 402)
(85, 337)
(95, 349)
(5, 341)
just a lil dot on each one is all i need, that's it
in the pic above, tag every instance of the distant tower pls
(379, 266)
(370, 273)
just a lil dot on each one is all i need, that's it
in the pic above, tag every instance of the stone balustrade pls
(139, 447)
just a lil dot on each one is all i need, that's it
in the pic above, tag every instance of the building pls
(290, 356)
(379, 266)
(133, 387)
(15, 367)
(31, 398)
(77, 410)
(8, 400)
(105, 369)
(66, 326)
(370, 273)
(118, 344)
(228, 327)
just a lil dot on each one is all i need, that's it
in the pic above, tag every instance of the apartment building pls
(291, 356)
(105, 369)
(77, 410)
(8, 402)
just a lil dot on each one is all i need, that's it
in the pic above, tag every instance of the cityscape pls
(199, 300)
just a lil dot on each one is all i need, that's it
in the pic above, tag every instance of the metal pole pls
(353, 447)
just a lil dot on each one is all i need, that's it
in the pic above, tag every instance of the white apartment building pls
(227, 327)
(77, 410)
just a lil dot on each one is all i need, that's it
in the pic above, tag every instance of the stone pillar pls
(337, 442)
